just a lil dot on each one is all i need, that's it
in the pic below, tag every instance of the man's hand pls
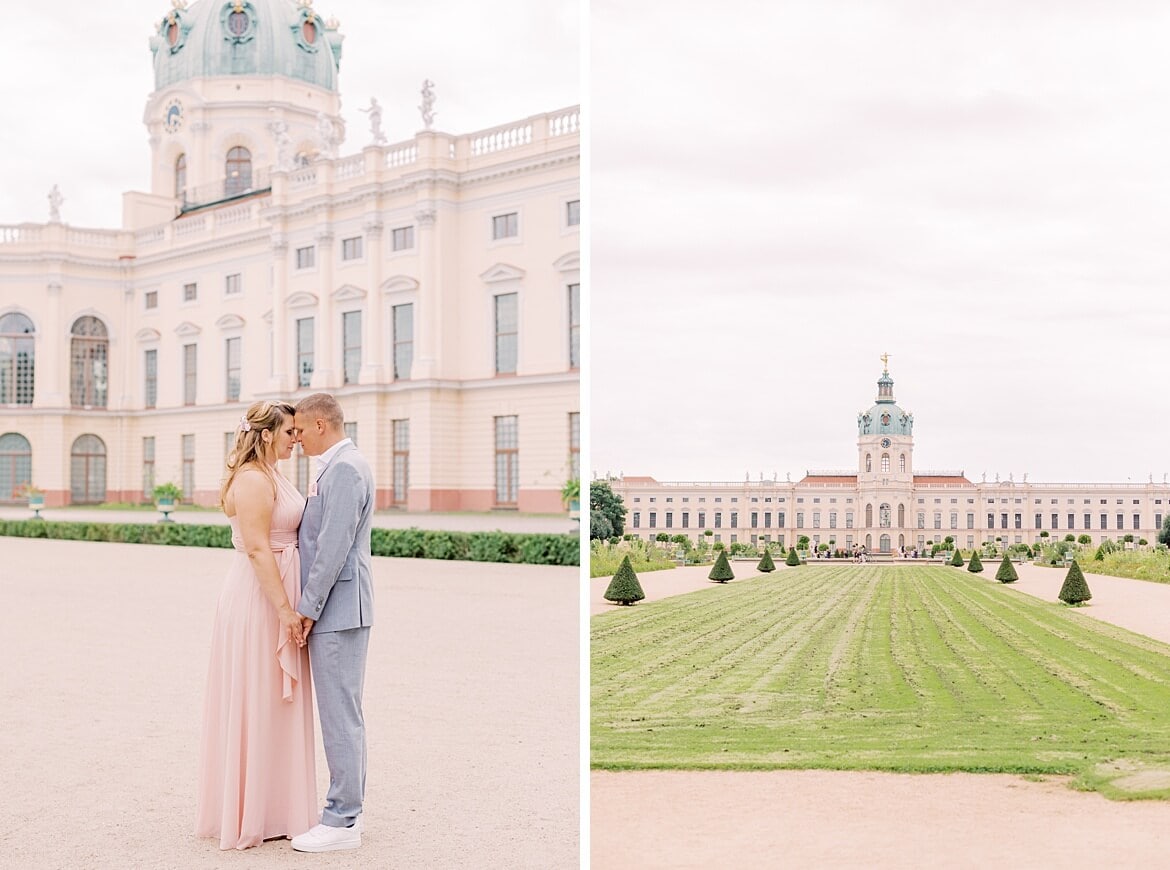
(306, 627)
(290, 624)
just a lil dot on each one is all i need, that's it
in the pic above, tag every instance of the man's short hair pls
(322, 406)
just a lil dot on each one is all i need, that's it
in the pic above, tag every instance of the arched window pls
(17, 361)
(868, 515)
(89, 376)
(902, 463)
(181, 178)
(15, 466)
(901, 517)
(884, 515)
(884, 544)
(885, 463)
(868, 463)
(237, 171)
(87, 477)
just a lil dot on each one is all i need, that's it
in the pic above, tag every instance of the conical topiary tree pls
(793, 557)
(1075, 590)
(721, 573)
(1007, 571)
(766, 564)
(957, 559)
(624, 588)
(974, 566)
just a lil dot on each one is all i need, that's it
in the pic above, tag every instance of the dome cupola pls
(885, 417)
(215, 38)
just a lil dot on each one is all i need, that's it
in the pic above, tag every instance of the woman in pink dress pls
(257, 776)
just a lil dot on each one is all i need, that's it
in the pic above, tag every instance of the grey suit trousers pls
(339, 666)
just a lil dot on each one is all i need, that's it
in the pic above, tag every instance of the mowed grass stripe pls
(901, 668)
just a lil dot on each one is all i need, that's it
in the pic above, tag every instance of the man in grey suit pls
(337, 606)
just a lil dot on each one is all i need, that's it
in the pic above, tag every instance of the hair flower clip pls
(245, 426)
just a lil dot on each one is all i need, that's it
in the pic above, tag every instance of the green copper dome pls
(885, 417)
(245, 38)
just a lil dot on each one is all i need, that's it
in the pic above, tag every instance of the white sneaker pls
(357, 825)
(323, 838)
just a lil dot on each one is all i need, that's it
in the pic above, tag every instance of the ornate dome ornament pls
(239, 22)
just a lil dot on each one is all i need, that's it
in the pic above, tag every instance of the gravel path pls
(831, 819)
(471, 707)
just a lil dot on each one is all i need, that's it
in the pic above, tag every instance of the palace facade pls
(432, 285)
(884, 503)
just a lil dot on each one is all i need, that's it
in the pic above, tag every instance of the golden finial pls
(238, 6)
(885, 358)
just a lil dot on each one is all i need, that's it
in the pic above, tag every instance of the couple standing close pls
(298, 592)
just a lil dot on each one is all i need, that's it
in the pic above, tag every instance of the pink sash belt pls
(288, 562)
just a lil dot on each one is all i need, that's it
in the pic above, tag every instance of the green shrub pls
(766, 564)
(1075, 590)
(721, 573)
(975, 566)
(957, 559)
(1007, 571)
(793, 557)
(624, 588)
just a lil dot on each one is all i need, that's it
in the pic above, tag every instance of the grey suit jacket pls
(337, 588)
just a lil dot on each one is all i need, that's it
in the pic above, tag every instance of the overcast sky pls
(782, 191)
(74, 82)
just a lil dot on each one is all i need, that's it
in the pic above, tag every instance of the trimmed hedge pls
(532, 549)
(624, 588)
(721, 572)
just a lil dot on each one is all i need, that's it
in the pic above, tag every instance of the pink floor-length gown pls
(257, 775)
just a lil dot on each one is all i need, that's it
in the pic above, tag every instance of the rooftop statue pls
(428, 103)
(55, 200)
(375, 112)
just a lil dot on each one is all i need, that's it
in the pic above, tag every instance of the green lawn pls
(915, 668)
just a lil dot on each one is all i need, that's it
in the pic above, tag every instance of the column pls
(428, 322)
(51, 387)
(326, 366)
(374, 340)
(279, 381)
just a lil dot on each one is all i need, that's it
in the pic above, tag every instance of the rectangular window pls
(574, 326)
(401, 460)
(188, 467)
(150, 378)
(1003, 521)
(954, 521)
(718, 520)
(190, 369)
(1088, 521)
(938, 520)
(1104, 521)
(403, 341)
(755, 519)
(816, 519)
(150, 299)
(575, 449)
(1019, 520)
(351, 345)
(637, 520)
(306, 257)
(780, 519)
(190, 292)
(148, 468)
(921, 520)
(767, 519)
(304, 351)
(351, 249)
(832, 519)
(350, 429)
(232, 369)
(970, 521)
(1071, 520)
(702, 520)
(800, 520)
(402, 238)
(734, 520)
(229, 441)
(669, 520)
(653, 520)
(686, 518)
(1137, 521)
(1121, 521)
(232, 284)
(573, 213)
(507, 460)
(507, 328)
(1038, 521)
(506, 226)
(1157, 521)
(991, 521)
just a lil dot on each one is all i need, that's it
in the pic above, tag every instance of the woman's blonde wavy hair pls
(249, 447)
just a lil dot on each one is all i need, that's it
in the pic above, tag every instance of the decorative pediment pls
(187, 328)
(502, 272)
(399, 284)
(230, 321)
(148, 334)
(348, 292)
(301, 300)
(570, 262)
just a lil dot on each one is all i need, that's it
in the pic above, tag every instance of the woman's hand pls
(291, 625)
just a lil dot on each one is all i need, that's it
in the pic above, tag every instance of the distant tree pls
(1128, 539)
(802, 542)
(600, 528)
(718, 546)
(975, 566)
(1164, 534)
(1099, 555)
(1044, 534)
(1075, 590)
(721, 572)
(624, 588)
(766, 564)
(793, 557)
(662, 538)
(1084, 539)
(683, 542)
(957, 559)
(604, 500)
(1070, 538)
(1007, 571)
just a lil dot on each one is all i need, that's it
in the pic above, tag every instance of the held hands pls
(291, 626)
(307, 626)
